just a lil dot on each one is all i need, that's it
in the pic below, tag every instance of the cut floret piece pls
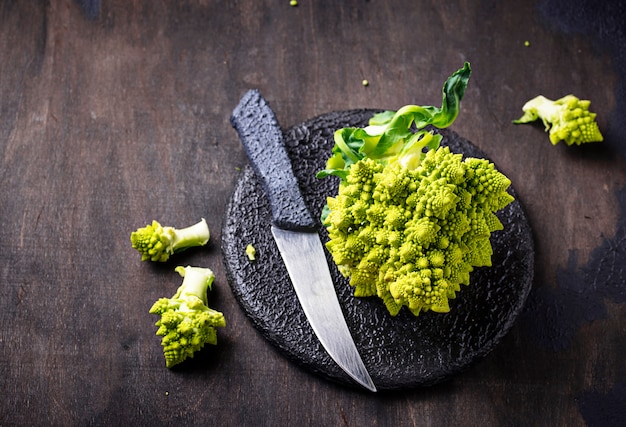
(251, 252)
(157, 243)
(186, 322)
(567, 119)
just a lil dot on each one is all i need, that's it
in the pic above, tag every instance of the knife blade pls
(295, 232)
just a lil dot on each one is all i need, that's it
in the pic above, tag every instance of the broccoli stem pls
(196, 282)
(540, 107)
(194, 235)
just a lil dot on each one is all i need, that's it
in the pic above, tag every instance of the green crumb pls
(365, 83)
(526, 43)
(251, 252)
(157, 243)
(293, 3)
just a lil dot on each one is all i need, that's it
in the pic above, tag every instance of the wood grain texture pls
(114, 113)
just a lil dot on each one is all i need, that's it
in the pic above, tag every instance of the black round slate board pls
(399, 352)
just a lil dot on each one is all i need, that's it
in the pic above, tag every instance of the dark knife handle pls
(262, 138)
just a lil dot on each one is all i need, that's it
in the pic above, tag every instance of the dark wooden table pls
(114, 113)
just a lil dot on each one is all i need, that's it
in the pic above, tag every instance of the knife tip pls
(365, 381)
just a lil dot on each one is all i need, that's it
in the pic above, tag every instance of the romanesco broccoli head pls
(420, 232)
(566, 119)
(156, 243)
(186, 323)
(409, 225)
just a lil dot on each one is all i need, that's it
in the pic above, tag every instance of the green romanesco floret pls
(567, 119)
(411, 231)
(186, 323)
(157, 243)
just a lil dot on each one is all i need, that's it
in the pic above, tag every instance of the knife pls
(295, 231)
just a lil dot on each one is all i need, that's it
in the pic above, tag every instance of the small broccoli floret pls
(156, 243)
(186, 323)
(567, 119)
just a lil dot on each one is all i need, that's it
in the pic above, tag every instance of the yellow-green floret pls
(186, 323)
(412, 237)
(567, 119)
(157, 243)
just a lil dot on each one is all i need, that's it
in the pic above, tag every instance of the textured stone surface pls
(402, 351)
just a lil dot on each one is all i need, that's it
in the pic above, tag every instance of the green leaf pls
(453, 92)
(382, 118)
(400, 135)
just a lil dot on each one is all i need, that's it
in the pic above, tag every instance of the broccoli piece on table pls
(186, 323)
(157, 243)
(409, 225)
(567, 119)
